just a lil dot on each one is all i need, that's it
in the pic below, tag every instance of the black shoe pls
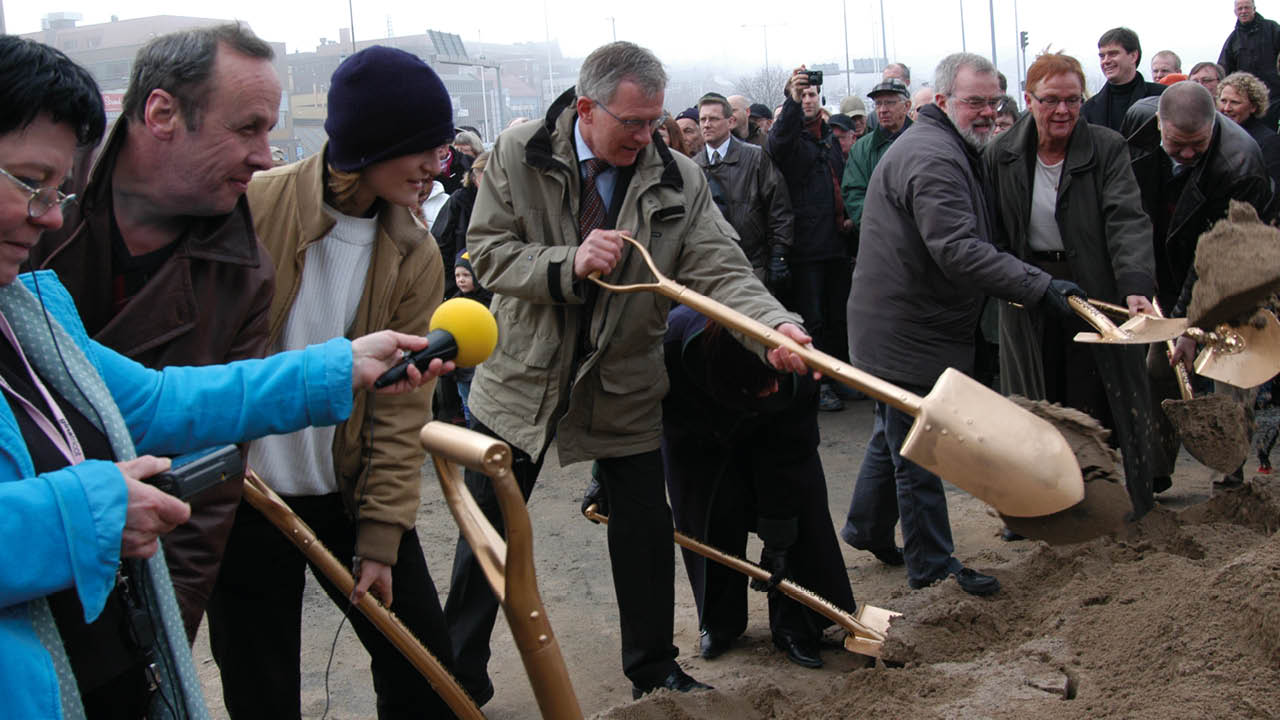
(1008, 535)
(677, 681)
(800, 652)
(827, 400)
(483, 696)
(891, 556)
(975, 583)
(712, 646)
(1160, 483)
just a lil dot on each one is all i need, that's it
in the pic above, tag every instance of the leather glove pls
(1055, 296)
(595, 496)
(773, 560)
(777, 274)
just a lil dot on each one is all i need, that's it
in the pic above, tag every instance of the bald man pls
(743, 129)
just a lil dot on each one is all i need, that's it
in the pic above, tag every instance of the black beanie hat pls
(384, 103)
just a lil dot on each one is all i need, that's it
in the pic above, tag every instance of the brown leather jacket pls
(207, 304)
(405, 285)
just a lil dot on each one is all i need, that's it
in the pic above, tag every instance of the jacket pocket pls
(631, 390)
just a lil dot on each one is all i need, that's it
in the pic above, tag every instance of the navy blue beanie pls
(384, 103)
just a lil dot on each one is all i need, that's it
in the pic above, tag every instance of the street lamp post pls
(992, 5)
(964, 47)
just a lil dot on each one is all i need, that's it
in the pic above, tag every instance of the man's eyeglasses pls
(39, 200)
(633, 123)
(977, 103)
(1053, 101)
(887, 102)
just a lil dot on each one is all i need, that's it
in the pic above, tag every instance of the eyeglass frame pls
(891, 101)
(42, 193)
(1071, 102)
(976, 104)
(633, 123)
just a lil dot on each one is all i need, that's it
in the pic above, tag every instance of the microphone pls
(461, 330)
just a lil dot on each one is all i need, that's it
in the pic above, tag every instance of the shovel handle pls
(1117, 310)
(808, 598)
(1184, 378)
(266, 501)
(1095, 317)
(870, 384)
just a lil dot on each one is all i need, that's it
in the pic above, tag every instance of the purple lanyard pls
(61, 434)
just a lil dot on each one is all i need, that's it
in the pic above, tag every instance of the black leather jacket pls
(1231, 169)
(812, 169)
(752, 196)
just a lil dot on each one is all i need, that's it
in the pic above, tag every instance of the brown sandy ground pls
(1176, 618)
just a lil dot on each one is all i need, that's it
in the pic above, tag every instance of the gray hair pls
(1221, 73)
(608, 65)
(181, 64)
(1177, 61)
(906, 71)
(945, 76)
(469, 139)
(1187, 106)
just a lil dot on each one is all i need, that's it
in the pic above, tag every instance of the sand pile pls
(1176, 616)
(1214, 428)
(1237, 262)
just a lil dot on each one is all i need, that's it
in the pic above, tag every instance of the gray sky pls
(918, 32)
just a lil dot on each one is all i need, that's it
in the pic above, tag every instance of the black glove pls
(774, 560)
(777, 274)
(1055, 296)
(595, 495)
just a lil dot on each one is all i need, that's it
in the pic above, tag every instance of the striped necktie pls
(591, 212)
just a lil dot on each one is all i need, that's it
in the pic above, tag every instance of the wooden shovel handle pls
(831, 367)
(267, 502)
(808, 598)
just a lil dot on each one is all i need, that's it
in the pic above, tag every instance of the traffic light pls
(1023, 37)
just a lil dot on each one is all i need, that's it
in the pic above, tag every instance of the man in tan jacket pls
(584, 367)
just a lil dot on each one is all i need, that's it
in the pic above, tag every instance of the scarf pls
(47, 347)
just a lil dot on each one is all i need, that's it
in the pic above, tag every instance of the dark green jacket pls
(863, 158)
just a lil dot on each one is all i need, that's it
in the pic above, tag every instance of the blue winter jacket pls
(63, 529)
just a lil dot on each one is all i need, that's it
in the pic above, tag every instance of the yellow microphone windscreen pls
(472, 326)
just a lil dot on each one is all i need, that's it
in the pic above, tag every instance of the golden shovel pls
(267, 502)
(964, 432)
(507, 565)
(867, 627)
(1137, 330)
(1241, 355)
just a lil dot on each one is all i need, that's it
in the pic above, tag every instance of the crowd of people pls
(917, 237)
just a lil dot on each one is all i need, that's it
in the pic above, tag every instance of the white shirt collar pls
(584, 152)
(724, 148)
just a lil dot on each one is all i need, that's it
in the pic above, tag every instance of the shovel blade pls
(984, 444)
(1138, 330)
(1249, 366)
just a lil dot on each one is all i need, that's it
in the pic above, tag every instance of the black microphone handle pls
(440, 344)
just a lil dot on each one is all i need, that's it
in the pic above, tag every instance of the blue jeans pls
(889, 488)
(464, 391)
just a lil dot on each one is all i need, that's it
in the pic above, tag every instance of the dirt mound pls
(1215, 429)
(1175, 616)
(1237, 262)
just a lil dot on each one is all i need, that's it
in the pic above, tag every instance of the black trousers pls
(255, 617)
(820, 292)
(640, 554)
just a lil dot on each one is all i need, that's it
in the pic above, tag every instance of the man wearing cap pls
(744, 129)
(762, 117)
(892, 101)
(842, 128)
(582, 367)
(349, 258)
(160, 253)
(691, 130)
(749, 192)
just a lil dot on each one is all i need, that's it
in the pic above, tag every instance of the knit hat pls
(384, 103)
(689, 113)
(842, 121)
(464, 262)
(760, 110)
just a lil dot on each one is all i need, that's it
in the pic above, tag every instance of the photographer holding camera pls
(808, 155)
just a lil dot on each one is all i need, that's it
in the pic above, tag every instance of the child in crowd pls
(1267, 418)
(469, 288)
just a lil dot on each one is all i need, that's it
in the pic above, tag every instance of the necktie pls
(591, 212)
(715, 157)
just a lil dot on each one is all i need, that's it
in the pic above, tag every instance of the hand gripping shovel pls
(867, 627)
(964, 432)
(508, 566)
(1241, 355)
(274, 509)
(1137, 330)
